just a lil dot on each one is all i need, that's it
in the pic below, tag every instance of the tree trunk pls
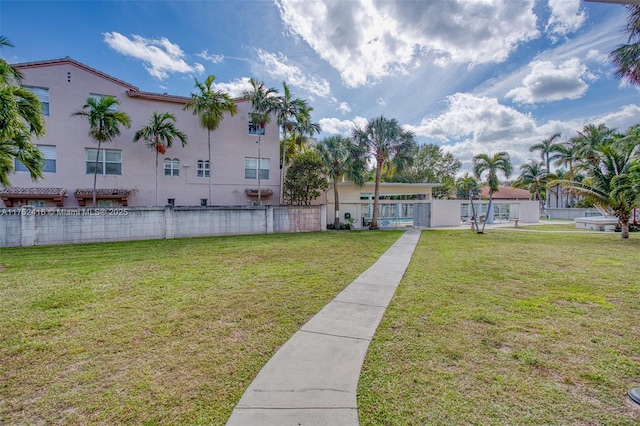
(95, 175)
(376, 197)
(336, 200)
(210, 168)
(624, 226)
(157, 178)
(488, 212)
(473, 211)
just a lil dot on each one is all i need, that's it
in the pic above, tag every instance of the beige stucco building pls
(127, 169)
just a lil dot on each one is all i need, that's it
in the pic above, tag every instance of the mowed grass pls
(159, 332)
(509, 327)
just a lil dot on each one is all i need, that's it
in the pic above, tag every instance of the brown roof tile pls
(506, 193)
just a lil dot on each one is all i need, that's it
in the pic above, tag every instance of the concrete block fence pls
(30, 226)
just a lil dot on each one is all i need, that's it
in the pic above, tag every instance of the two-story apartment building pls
(126, 170)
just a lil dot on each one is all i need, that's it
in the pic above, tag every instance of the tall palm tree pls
(159, 135)
(210, 105)
(341, 157)
(468, 186)
(264, 103)
(384, 140)
(288, 112)
(533, 176)
(104, 125)
(548, 151)
(626, 58)
(492, 165)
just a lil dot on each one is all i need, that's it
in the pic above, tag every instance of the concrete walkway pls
(312, 379)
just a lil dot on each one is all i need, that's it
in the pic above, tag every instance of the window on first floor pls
(109, 161)
(203, 168)
(171, 167)
(43, 95)
(50, 158)
(251, 168)
(36, 203)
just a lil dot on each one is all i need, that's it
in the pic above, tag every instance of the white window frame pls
(49, 152)
(251, 168)
(171, 167)
(43, 94)
(103, 161)
(203, 168)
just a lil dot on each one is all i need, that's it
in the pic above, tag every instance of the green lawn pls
(509, 328)
(159, 332)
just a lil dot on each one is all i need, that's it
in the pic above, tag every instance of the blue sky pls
(471, 76)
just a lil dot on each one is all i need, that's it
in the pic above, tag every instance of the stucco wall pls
(69, 87)
(48, 226)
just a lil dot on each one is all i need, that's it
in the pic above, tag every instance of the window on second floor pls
(43, 95)
(171, 167)
(109, 161)
(50, 158)
(251, 168)
(203, 168)
(255, 127)
(112, 108)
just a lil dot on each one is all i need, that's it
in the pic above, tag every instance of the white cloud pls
(472, 125)
(335, 126)
(344, 107)
(235, 88)
(381, 102)
(597, 56)
(547, 82)
(566, 17)
(160, 56)
(216, 59)
(367, 40)
(278, 66)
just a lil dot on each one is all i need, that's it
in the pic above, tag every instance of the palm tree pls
(533, 176)
(341, 157)
(19, 148)
(20, 119)
(104, 125)
(384, 140)
(288, 112)
(492, 164)
(589, 140)
(467, 186)
(7, 72)
(210, 105)
(301, 130)
(159, 135)
(609, 179)
(548, 152)
(264, 103)
(626, 58)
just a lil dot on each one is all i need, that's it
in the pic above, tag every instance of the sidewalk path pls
(312, 379)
